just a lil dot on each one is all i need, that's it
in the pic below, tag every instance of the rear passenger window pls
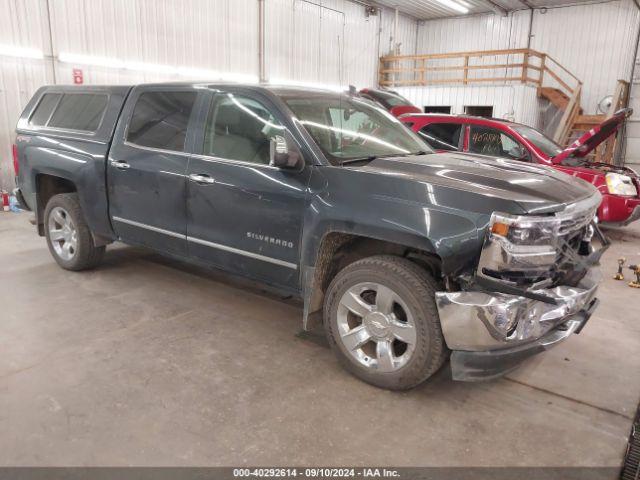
(442, 136)
(44, 109)
(160, 120)
(79, 111)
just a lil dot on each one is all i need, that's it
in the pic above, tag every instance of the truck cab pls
(404, 256)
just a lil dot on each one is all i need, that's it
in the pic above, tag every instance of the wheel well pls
(46, 187)
(341, 249)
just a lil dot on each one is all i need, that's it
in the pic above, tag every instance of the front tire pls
(382, 322)
(68, 236)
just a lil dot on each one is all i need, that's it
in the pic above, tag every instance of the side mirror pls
(281, 156)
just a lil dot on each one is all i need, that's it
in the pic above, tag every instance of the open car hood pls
(594, 137)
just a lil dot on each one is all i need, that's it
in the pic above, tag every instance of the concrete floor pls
(147, 361)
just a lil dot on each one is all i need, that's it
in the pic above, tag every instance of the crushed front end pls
(534, 286)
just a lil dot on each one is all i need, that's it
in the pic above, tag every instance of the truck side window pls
(442, 136)
(79, 111)
(160, 120)
(240, 128)
(45, 107)
(489, 141)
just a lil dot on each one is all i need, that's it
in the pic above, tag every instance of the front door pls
(147, 168)
(495, 143)
(244, 214)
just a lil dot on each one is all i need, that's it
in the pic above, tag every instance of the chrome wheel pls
(376, 327)
(63, 234)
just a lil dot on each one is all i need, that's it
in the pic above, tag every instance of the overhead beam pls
(497, 8)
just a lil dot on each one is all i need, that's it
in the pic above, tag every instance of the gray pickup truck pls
(407, 257)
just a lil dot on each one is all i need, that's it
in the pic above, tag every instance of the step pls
(557, 97)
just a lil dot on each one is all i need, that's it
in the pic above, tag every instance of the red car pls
(392, 101)
(619, 186)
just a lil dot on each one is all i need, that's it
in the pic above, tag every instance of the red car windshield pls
(544, 144)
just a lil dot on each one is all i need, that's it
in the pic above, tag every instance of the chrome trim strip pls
(149, 227)
(237, 251)
(157, 150)
(229, 161)
(257, 256)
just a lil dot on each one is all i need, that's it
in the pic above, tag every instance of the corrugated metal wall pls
(316, 41)
(517, 102)
(331, 42)
(632, 144)
(595, 42)
(22, 25)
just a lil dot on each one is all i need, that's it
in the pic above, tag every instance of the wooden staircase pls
(575, 123)
(555, 96)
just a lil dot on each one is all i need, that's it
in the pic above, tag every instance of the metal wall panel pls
(478, 32)
(22, 24)
(519, 103)
(595, 42)
(632, 131)
(407, 34)
(194, 34)
(321, 42)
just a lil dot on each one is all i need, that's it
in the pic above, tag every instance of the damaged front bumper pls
(491, 333)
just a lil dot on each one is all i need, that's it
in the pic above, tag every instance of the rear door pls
(147, 168)
(245, 215)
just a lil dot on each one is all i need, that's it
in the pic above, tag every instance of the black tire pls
(416, 288)
(86, 255)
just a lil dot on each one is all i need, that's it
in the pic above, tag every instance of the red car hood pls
(594, 137)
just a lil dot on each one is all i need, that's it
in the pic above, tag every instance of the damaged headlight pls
(519, 248)
(620, 185)
(523, 230)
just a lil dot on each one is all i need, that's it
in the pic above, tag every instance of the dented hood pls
(535, 188)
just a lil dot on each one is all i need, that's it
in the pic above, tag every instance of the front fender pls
(455, 236)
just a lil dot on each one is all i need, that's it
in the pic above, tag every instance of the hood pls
(535, 188)
(594, 137)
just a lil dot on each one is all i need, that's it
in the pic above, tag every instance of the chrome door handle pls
(201, 178)
(119, 164)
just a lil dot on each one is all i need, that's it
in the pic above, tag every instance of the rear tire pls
(68, 236)
(381, 320)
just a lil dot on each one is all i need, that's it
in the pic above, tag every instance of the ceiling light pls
(453, 6)
(20, 52)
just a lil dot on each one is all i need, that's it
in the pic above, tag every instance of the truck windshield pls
(546, 145)
(347, 128)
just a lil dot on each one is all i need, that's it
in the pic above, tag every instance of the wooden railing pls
(520, 65)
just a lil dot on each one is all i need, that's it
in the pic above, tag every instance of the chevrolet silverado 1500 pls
(406, 256)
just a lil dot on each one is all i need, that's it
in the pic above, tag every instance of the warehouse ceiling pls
(432, 9)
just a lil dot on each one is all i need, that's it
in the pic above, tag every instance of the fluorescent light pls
(194, 73)
(151, 67)
(453, 6)
(91, 60)
(20, 52)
